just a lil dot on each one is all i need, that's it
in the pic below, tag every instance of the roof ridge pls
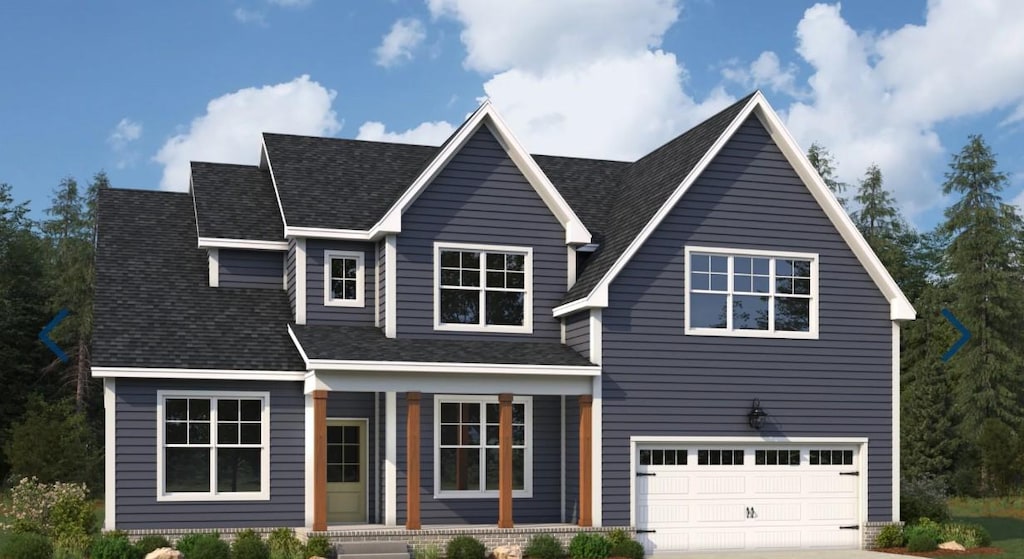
(352, 140)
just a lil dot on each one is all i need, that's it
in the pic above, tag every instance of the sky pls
(139, 89)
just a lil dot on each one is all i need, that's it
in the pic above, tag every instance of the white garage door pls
(697, 497)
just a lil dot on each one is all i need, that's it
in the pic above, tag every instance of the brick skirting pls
(871, 530)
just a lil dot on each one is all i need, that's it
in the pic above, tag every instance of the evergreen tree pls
(823, 162)
(985, 290)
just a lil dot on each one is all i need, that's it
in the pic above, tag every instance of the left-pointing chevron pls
(44, 335)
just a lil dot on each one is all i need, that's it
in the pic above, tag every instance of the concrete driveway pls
(795, 554)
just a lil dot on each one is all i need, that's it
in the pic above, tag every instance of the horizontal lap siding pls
(359, 405)
(251, 268)
(577, 333)
(316, 311)
(481, 198)
(659, 382)
(541, 508)
(137, 507)
(290, 269)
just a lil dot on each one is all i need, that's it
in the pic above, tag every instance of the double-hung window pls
(213, 446)
(343, 279)
(466, 453)
(483, 288)
(751, 293)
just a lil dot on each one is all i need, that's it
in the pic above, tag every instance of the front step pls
(373, 550)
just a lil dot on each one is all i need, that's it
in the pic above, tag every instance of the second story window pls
(343, 279)
(483, 288)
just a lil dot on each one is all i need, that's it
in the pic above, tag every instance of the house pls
(353, 336)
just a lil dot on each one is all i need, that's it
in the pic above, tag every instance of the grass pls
(1002, 517)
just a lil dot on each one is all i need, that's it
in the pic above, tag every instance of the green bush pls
(113, 545)
(249, 545)
(631, 549)
(921, 542)
(210, 547)
(429, 551)
(284, 545)
(54, 443)
(544, 546)
(25, 545)
(618, 536)
(319, 546)
(145, 544)
(465, 547)
(53, 509)
(586, 545)
(967, 535)
(890, 536)
(923, 498)
(187, 543)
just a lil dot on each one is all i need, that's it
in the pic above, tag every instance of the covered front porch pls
(463, 451)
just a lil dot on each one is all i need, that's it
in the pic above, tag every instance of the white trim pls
(364, 454)
(213, 258)
(376, 285)
(486, 115)
(456, 368)
(109, 453)
(391, 286)
(196, 374)
(597, 456)
(246, 244)
(360, 258)
(561, 432)
(900, 306)
(300, 281)
(747, 440)
(263, 494)
(811, 334)
(527, 252)
(310, 461)
(570, 261)
(328, 233)
(596, 336)
(265, 158)
(390, 458)
(376, 457)
(896, 421)
(482, 493)
(443, 383)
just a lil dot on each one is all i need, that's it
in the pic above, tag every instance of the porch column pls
(504, 460)
(586, 457)
(319, 460)
(412, 459)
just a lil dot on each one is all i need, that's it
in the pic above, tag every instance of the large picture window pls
(213, 446)
(343, 279)
(751, 293)
(466, 446)
(483, 288)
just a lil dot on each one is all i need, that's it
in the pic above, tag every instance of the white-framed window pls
(483, 288)
(343, 278)
(213, 446)
(751, 293)
(466, 446)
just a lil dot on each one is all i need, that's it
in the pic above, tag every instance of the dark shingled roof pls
(235, 202)
(152, 306)
(370, 344)
(586, 184)
(644, 188)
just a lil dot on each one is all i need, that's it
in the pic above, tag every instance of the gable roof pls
(653, 185)
(234, 202)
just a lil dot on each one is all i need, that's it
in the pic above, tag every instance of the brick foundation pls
(871, 530)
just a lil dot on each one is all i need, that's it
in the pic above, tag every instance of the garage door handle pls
(849, 473)
(645, 474)
(646, 531)
(851, 527)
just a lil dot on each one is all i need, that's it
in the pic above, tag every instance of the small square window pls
(343, 278)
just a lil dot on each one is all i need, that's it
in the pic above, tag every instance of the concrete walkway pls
(795, 554)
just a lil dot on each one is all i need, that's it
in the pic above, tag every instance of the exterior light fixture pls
(757, 416)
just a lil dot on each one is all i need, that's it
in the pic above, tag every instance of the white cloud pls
(230, 130)
(427, 133)
(255, 17)
(765, 72)
(398, 45)
(291, 3)
(125, 132)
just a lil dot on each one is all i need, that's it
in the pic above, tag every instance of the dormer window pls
(483, 288)
(343, 279)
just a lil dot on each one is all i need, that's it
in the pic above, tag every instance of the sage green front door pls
(346, 471)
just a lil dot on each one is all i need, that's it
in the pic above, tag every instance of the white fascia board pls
(109, 453)
(327, 233)
(900, 307)
(245, 244)
(459, 368)
(738, 440)
(265, 159)
(195, 374)
(298, 346)
(300, 280)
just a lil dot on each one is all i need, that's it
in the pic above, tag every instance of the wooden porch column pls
(319, 460)
(586, 460)
(504, 461)
(412, 458)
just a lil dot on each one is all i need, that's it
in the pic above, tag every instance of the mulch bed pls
(942, 552)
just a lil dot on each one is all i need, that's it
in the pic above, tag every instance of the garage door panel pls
(776, 539)
(788, 484)
(831, 483)
(839, 511)
(777, 512)
(673, 483)
(731, 540)
(712, 484)
(664, 515)
(717, 512)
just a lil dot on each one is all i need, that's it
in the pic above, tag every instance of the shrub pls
(52, 509)
(923, 498)
(544, 546)
(113, 545)
(890, 536)
(210, 547)
(145, 544)
(967, 535)
(921, 542)
(25, 545)
(319, 546)
(284, 545)
(54, 443)
(631, 549)
(589, 546)
(429, 551)
(465, 547)
(249, 545)
(187, 543)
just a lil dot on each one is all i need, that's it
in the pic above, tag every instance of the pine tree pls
(823, 162)
(983, 259)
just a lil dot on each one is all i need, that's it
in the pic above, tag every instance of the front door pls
(346, 470)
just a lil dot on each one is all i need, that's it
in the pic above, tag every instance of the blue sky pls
(138, 89)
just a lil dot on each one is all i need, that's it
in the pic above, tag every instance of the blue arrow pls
(44, 335)
(965, 335)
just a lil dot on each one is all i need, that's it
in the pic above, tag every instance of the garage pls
(732, 496)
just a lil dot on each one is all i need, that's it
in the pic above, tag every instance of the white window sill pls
(528, 329)
(344, 303)
(721, 332)
(207, 497)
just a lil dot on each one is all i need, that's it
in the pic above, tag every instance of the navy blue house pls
(365, 335)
